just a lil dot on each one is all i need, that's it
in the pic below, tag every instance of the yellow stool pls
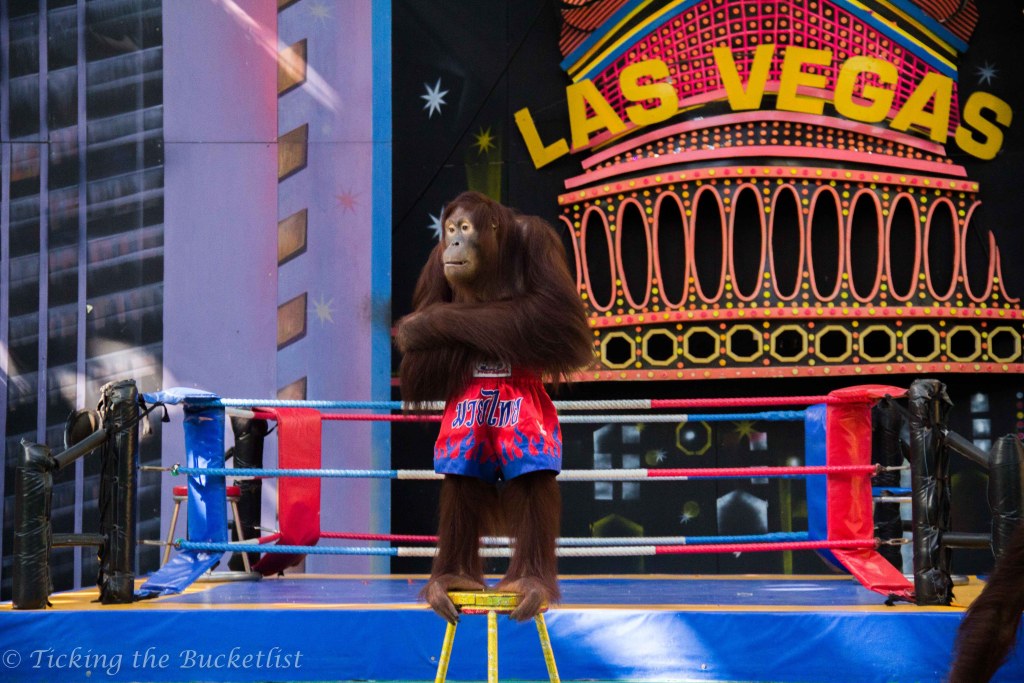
(492, 604)
(180, 495)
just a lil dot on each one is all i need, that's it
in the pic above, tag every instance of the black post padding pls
(33, 489)
(887, 450)
(1005, 490)
(960, 445)
(119, 407)
(248, 452)
(966, 539)
(929, 405)
(74, 540)
(82, 448)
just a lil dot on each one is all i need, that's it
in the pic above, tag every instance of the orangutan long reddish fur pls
(532, 507)
(471, 509)
(528, 314)
(989, 629)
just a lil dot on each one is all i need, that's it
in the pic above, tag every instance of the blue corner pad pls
(176, 395)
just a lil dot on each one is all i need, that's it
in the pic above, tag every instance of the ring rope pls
(618, 404)
(686, 403)
(770, 416)
(393, 538)
(587, 541)
(668, 473)
(613, 551)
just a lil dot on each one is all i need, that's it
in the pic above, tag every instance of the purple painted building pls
(200, 198)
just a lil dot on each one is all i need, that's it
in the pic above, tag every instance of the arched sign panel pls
(817, 152)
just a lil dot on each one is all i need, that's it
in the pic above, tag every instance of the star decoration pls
(987, 72)
(656, 456)
(323, 310)
(484, 141)
(690, 512)
(434, 98)
(435, 223)
(320, 12)
(348, 200)
(744, 428)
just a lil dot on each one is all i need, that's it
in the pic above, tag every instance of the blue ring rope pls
(768, 415)
(270, 472)
(285, 403)
(207, 546)
(394, 474)
(772, 537)
(891, 491)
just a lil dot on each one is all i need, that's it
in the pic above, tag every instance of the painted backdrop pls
(194, 193)
(757, 197)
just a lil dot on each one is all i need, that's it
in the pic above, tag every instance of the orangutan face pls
(466, 248)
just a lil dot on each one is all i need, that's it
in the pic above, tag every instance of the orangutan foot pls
(534, 594)
(436, 593)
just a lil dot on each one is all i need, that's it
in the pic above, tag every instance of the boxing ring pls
(862, 626)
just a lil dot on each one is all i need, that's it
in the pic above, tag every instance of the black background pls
(500, 56)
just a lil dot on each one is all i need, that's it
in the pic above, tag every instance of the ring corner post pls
(299, 442)
(815, 455)
(33, 488)
(250, 436)
(887, 450)
(929, 471)
(1005, 490)
(848, 426)
(119, 407)
(204, 424)
(207, 493)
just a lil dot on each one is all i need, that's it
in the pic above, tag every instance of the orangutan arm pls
(543, 328)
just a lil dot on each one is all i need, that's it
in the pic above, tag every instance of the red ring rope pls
(383, 418)
(398, 538)
(763, 547)
(698, 472)
(359, 417)
(741, 401)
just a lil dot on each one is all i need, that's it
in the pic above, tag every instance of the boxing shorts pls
(501, 426)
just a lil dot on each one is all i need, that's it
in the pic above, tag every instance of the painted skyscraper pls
(182, 185)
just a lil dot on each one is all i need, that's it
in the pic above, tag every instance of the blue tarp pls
(261, 644)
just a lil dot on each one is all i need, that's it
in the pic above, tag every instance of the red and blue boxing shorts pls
(501, 426)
